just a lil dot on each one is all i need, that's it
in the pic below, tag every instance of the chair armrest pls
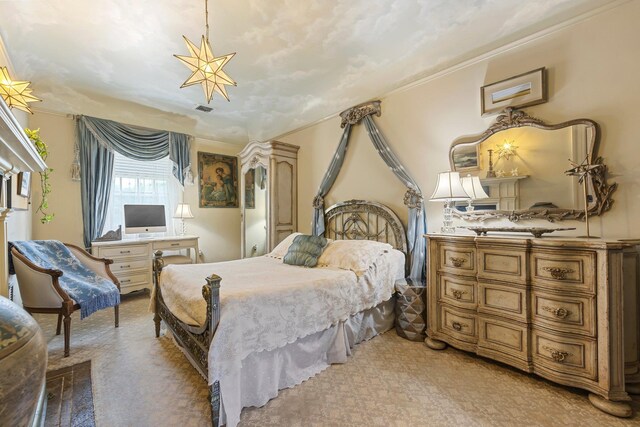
(39, 287)
(100, 266)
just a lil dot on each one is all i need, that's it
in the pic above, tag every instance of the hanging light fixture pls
(16, 94)
(206, 68)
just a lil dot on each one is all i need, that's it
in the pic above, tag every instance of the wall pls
(219, 229)
(593, 66)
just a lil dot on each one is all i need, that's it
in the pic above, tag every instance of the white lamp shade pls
(183, 211)
(449, 188)
(473, 187)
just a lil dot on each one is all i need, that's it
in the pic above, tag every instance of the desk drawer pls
(502, 300)
(458, 259)
(129, 265)
(508, 265)
(508, 338)
(564, 355)
(180, 244)
(564, 272)
(458, 324)
(574, 314)
(457, 291)
(124, 251)
(134, 279)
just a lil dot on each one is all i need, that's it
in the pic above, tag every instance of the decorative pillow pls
(305, 250)
(281, 250)
(355, 255)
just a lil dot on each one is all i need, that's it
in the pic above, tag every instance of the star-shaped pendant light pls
(16, 94)
(207, 69)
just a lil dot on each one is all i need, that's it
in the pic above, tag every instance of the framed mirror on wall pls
(522, 163)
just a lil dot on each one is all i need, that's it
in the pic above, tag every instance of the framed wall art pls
(466, 158)
(16, 201)
(519, 91)
(24, 184)
(217, 180)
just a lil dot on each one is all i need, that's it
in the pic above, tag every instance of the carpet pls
(70, 397)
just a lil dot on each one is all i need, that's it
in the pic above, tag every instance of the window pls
(140, 182)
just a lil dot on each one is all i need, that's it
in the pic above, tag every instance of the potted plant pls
(43, 151)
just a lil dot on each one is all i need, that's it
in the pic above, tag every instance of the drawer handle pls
(175, 244)
(457, 262)
(125, 252)
(559, 312)
(125, 281)
(557, 355)
(457, 294)
(125, 266)
(458, 326)
(558, 273)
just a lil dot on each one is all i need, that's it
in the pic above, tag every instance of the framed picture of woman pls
(217, 180)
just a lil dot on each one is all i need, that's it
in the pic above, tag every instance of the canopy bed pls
(265, 312)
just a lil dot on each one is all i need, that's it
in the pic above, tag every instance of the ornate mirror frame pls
(514, 118)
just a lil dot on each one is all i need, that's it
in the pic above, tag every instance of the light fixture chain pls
(206, 18)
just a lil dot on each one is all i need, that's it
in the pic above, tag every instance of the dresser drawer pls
(458, 324)
(564, 272)
(502, 300)
(457, 291)
(564, 355)
(508, 338)
(129, 265)
(562, 313)
(502, 264)
(133, 279)
(180, 244)
(457, 259)
(124, 251)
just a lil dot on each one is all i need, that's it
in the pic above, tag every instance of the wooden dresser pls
(549, 306)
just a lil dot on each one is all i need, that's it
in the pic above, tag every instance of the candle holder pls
(490, 172)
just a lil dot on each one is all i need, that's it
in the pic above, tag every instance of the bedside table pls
(410, 308)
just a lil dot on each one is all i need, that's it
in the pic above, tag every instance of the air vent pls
(204, 108)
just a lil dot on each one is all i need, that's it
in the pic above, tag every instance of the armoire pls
(269, 195)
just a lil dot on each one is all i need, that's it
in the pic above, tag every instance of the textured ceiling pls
(297, 61)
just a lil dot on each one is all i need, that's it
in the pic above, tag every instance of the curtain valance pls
(413, 199)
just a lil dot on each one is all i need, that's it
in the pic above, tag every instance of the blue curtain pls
(417, 224)
(327, 182)
(97, 140)
(96, 169)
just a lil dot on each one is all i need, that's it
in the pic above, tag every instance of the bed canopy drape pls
(413, 199)
(97, 140)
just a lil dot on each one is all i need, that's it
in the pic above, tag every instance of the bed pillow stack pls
(356, 255)
(305, 250)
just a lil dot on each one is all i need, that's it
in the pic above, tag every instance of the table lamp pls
(473, 187)
(183, 211)
(448, 189)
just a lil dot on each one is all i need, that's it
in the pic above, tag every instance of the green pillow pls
(305, 250)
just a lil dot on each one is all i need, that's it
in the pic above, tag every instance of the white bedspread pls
(266, 304)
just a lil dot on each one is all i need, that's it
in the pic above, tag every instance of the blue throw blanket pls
(91, 291)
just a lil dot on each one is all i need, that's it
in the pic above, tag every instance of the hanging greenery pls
(43, 151)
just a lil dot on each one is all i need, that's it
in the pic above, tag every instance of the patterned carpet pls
(139, 380)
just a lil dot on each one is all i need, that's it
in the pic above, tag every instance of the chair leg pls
(156, 320)
(59, 324)
(116, 310)
(67, 333)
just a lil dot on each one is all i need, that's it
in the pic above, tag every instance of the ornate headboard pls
(363, 220)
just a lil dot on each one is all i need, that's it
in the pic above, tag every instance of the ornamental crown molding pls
(354, 115)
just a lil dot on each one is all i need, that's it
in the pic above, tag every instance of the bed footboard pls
(195, 340)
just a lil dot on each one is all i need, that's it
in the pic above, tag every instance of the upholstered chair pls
(41, 292)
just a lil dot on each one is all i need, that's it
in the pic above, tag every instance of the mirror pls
(521, 162)
(255, 212)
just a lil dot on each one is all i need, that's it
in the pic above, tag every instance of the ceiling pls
(297, 61)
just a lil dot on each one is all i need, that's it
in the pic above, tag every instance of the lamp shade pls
(449, 187)
(473, 187)
(183, 211)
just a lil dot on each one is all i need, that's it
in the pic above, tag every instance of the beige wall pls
(219, 229)
(593, 68)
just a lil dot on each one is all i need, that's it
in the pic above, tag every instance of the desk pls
(132, 258)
